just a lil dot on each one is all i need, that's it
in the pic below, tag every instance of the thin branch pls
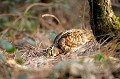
(9, 15)
(36, 4)
(44, 15)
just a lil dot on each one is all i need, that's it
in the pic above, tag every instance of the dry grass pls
(37, 66)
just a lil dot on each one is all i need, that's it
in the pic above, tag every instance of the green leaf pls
(31, 42)
(29, 14)
(99, 57)
(25, 23)
(2, 57)
(52, 36)
(19, 61)
(4, 18)
(18, 57)
(7, 46)
(7, 34)
(63, 1)
(33, 26)
(8, 24)
(2, 26)
(21, 77)
(29, 25)
(118, 47)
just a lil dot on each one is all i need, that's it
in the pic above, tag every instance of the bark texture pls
(103, 19)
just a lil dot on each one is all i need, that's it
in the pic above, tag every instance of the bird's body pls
(72, 40)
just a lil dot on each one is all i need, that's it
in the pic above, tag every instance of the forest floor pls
(26, 36)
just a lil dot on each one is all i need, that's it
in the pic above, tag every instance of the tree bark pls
(103, 19)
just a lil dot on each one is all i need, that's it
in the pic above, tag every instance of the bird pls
(71, 41)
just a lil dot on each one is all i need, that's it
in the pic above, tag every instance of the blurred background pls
(24, 32)
(24, 17)
(22, 20)
(72, 14)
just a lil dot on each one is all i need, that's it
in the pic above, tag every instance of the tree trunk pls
(103, 19)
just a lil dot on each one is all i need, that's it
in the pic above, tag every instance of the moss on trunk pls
(103, 19)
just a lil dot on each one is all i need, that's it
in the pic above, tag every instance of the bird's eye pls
(50, 47)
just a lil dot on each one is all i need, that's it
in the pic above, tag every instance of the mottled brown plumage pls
(71, 40)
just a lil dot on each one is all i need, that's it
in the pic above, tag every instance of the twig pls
(3, 33)
(105, 40)
(44, 15)
(36, 4)
(9, 15)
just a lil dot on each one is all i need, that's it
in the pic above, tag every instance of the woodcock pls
(74, 40)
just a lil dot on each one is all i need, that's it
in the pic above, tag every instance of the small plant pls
(8, 46)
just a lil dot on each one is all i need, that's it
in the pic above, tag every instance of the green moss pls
(116, 22)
